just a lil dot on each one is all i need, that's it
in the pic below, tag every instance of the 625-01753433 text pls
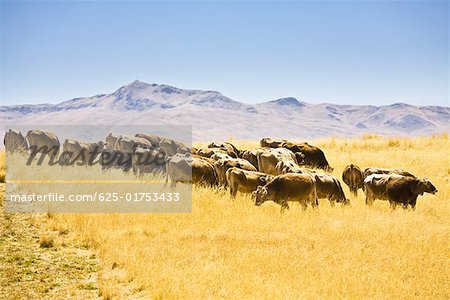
(94, 197)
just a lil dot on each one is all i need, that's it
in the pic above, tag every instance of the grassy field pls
(232, 249)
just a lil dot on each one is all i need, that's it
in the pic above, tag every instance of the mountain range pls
(217, 117)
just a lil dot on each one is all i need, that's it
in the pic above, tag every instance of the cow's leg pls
(210, 183)
(84, 158)
(369, 199)
(62, 160)
(140, 171)
(393, 204)
(233, 191)
(312, 199)
(167, 179)
(303, 204)
(413, 204)
(53, 154)
(284, 206)
(331, 202)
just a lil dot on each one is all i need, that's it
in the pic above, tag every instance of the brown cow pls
(406, 190)
(330, 188)
(288, 187)
(203, 172)
(43, 142)
(397, 189)
(223, 165)
(14, 141)
(179, 169)
(245, 181)
(312, 155)
(354, 178)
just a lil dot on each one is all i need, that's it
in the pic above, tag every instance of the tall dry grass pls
(232, 249)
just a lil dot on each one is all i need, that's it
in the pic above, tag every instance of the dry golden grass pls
(232, 249)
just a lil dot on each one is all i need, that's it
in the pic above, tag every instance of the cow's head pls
(339, 197)
(420, 186)
(428, 187)
(260, 195)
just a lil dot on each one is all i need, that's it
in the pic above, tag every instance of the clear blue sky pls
(340, 52)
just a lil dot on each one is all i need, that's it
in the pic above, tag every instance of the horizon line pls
(215, 91)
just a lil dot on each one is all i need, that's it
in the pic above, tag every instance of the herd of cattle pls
(279, 171)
